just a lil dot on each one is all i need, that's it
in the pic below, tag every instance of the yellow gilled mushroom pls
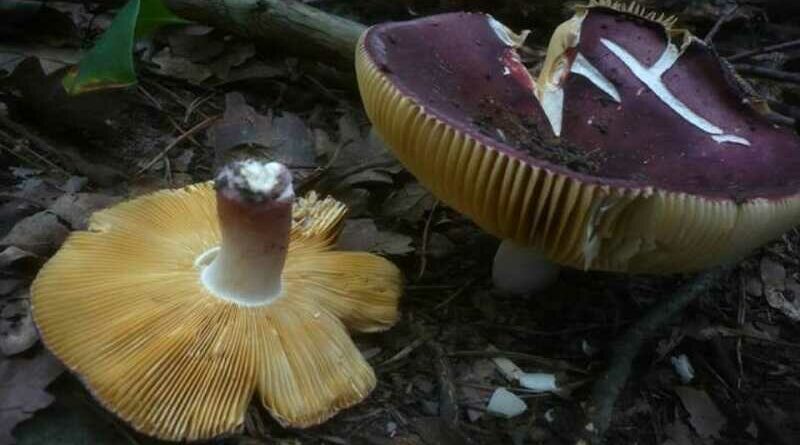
(177, 307)
(636, 150)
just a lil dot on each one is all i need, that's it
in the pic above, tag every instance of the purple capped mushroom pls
(636, 149)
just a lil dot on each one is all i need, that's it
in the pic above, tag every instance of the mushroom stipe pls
(123, 306)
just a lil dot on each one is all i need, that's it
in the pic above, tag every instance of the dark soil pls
(522, 133)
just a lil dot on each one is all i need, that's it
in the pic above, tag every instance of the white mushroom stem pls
(520, 270)
(254, 206)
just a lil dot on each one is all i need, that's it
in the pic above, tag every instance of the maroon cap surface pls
(459, 68)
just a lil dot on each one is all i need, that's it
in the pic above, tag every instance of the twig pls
(448, 398)
(202, 125)
(607, 388)
(423, 261)
(406, 351)
(143, 91)
(741, 318)
(767, 73)
(35, 140)
(453, 296)
(728, 373)
(195, 105)
(559, 332)
(764, 49)
(720, 21)
(429, 287)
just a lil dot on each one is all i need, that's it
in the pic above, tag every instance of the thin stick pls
(764, 49)
(448, 398)
(423, 262)
(178, 140)
(455, 294)
(767, 73)
(35, 140)
(607, 388)
(720, 21)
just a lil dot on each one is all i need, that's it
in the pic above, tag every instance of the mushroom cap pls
(604, 162)
(122, 305)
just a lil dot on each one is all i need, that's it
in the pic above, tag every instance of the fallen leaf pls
(363, 235)
(75, 419)
(359, 158)
(17, 331)
(285, 139)
(356, 200)
(22, 389)
(41, 233)
(678, 433)
(409, 203)
(235, 55)
(76, 208)
(75, 184)
(196, 43)
(778, 300)
(50, 58)
(180, 68)
(13, 256)
(439, 246)
(772, 273)
(9, 285)
(48, 104)
(254, 70)
(705, 417)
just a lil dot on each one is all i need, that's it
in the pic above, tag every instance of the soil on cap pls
(521, 132)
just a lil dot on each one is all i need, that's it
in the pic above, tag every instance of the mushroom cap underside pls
(122, 305)
(631, 184)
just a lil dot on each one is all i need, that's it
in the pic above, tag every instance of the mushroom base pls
(520, 270)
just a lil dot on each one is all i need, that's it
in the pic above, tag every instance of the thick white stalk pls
(254, 206)
(521, 270)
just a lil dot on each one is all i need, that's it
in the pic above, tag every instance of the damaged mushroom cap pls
(136, 307)
(637, 149)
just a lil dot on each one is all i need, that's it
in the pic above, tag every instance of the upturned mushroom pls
(637, 149)
(176, 308)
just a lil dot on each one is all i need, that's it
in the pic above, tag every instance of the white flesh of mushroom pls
(522, 270)
(254, 202)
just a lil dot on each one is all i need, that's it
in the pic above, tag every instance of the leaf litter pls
(269, 107)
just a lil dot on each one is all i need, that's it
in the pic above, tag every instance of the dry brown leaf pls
(41, 234)
(409, 203)
(285, 138)
(76, 208)
(17, 331)
(22, 389)
(705, 417)
(362, 234)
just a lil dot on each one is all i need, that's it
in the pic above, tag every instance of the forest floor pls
(63, 157)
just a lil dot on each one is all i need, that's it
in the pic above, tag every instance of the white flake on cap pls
(265, 179)
(652, 78)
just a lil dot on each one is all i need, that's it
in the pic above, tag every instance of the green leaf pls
(152, 14)
(109, 64)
